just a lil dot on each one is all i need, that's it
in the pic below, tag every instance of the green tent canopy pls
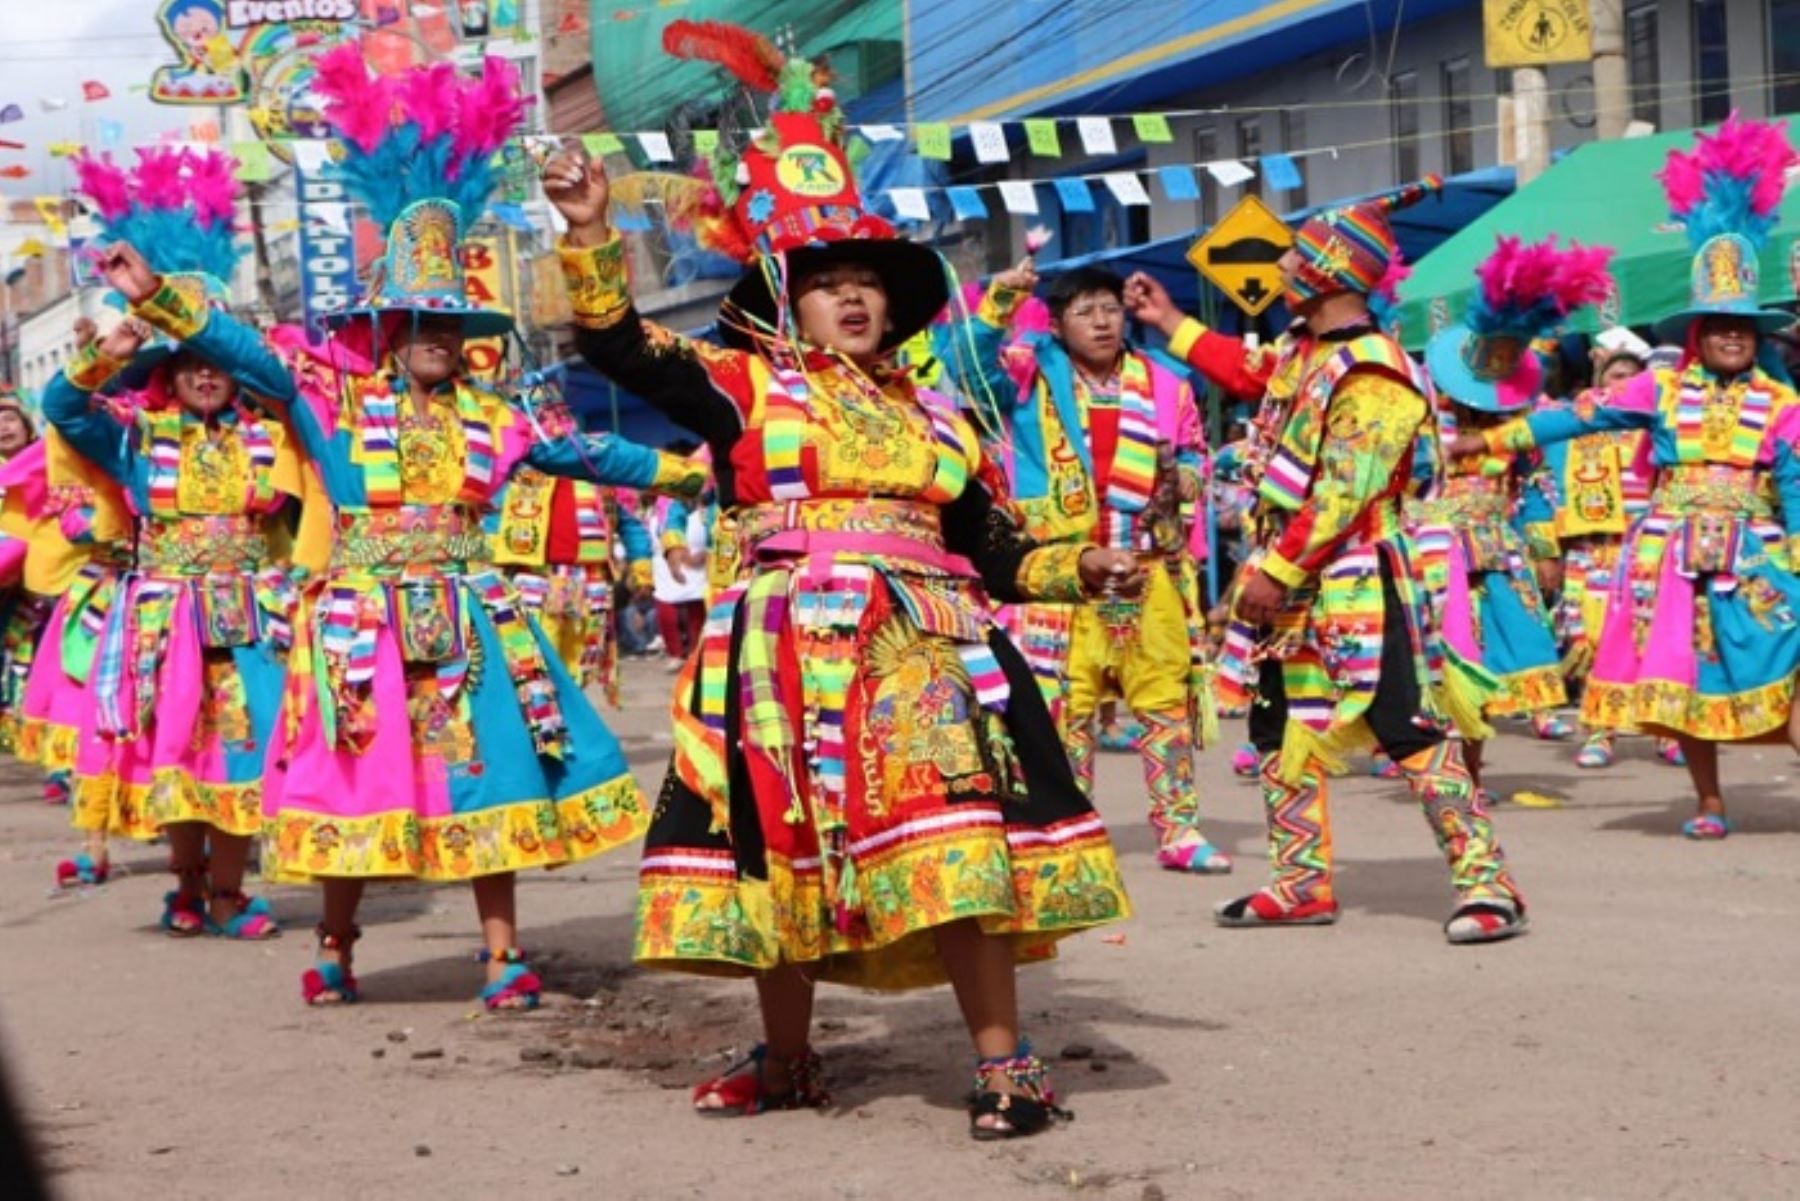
(1599, 194)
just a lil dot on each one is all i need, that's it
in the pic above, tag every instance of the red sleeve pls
(1226, 362)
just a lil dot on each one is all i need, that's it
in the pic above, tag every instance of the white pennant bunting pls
(1018, 196)
(1127, 188)
(1096, 135)
(1229, 172)
(990, 142)
(910, 204)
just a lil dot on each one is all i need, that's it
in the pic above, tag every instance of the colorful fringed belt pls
(202, 545)
(389, 541)
(1714, 489)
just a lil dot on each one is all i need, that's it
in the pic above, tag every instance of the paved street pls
(1634, 1045)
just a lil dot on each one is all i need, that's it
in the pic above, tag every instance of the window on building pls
(1293, 141)
(1459, 118)
(1712, 62)
(1250, 149)
(1403, 115)
(1206, 150)
(1784, 55)
(1643, 74)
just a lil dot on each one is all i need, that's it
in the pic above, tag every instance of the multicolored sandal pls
(1595, 752)
(1550, 727)
(184, 910)
(1382, 767)
(1198, 858)
(740, 1093)
(518, 987)
(1490, 919)
(1121, 736)
(254, 921)
(82, 872)
(56, 788)
(1670, 752)
(1245, 761)
(1264, 908)
(1028, 1110)
(1706, 827)
(326, 976)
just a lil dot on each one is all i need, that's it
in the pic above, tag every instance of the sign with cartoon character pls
(209, 71)
(223, 45)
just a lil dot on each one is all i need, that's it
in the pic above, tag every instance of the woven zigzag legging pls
(1299, 820)
(1167, 750)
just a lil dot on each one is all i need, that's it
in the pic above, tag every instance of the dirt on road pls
(1635, 1044)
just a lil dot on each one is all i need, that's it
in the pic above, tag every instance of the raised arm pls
(1633, 407)
(609, 459)
(698, 386)
(69, 405)
(1226, 362)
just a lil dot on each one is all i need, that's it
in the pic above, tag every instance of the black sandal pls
(1021, 1114)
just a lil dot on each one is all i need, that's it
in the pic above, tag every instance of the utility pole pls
(1531, 112)
(1612, 86)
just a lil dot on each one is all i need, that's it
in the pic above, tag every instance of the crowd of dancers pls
(337, 594)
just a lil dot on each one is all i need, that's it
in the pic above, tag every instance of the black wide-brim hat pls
(914, 277)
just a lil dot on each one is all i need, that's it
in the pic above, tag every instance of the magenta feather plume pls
(491, 109)
(1583, 277)
(1732, 181)
(431, 97)
(213, 187)
(103, 182)
(359, 107)
(158, 177)
(1527, 288)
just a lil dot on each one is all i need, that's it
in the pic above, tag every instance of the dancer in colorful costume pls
(1106, 447)
(1597, 486)
(429, 730)
(80, 544)
(1330, 634)
(182, 688)
(23, 608)
(1702, 640)
(1481, 571)
(554, 538)
(868, 787)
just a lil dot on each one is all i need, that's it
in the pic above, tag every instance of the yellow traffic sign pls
(1531, 33)
(1240, 252)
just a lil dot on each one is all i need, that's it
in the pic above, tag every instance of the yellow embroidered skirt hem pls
(1666, 709)
(458, 846)
(1032, 887)
(46, 744)
(141, 810)
(1530, 691)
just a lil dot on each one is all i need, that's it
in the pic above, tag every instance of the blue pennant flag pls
(1178, 183)
(1074, 195)
(967, 204)
(1281, 172)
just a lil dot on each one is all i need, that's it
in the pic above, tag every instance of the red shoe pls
(1262, 908)
(741, 1093)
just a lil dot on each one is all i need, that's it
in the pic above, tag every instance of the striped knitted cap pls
(1351, 249)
